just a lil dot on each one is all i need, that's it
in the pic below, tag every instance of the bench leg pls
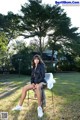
(52, 94)
(43, 98)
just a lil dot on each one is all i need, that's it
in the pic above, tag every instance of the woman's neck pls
(36, 65)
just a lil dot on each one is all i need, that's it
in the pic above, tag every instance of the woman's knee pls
(27, 87)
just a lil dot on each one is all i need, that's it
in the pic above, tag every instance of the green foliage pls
(66, 66)
(3, 44)
(9, 24)
(18, 46)
(77, 63)
(35, 20)
(41, 20)
(49, 67)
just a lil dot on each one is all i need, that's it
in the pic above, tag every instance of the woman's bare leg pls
(38, 92)
(24, 92)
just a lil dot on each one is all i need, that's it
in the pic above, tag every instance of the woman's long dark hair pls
(39, 58)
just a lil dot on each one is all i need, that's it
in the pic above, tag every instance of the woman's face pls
(36, 60)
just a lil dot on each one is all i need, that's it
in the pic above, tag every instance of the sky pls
(15, 6)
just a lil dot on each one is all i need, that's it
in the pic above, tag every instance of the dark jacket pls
(38, 74)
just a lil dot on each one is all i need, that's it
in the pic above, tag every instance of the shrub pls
(66, 66)
(22, 61)
(77, 63)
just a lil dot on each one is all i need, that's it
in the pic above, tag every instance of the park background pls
(47, 30)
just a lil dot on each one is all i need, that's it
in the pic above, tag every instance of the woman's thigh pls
(28, 87)
(39, 86)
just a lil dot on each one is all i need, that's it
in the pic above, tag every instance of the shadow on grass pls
(14, 89)
(32, 113)
(9, 107)
(14, 114)
(29, 114)
(11, 83)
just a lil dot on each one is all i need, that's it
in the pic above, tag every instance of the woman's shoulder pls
(42, 65)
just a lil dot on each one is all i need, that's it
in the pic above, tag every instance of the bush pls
(66, 66)
(22, 61)
(77, 63)
(49, 67)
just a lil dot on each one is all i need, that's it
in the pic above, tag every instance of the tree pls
(3, 44)
(35, 21)
(9, 25)
(34, 44)
(3, 50)
(63, 35)
(17, 46)
(39, 20)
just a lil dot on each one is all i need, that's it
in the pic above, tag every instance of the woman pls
(37, 82)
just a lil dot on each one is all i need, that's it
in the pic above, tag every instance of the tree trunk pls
(40, 47)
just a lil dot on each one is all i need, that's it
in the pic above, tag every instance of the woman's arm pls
(42, 71)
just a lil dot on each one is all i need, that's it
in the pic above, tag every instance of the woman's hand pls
(33, 86)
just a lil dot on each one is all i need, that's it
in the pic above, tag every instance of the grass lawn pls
(66, 102)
